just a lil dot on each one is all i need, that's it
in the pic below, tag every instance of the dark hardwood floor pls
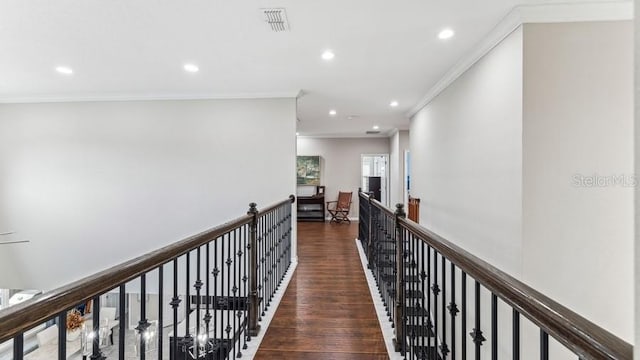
(327, 311)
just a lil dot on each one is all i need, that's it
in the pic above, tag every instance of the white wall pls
(578, 121)
(398, 143)
(341, 162)
(494, 158)
(466, 158)
(94, 184)
(637, 172)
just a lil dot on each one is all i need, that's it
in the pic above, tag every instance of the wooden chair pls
(340, 209)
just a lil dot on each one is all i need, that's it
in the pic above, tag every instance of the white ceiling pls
(123, 49)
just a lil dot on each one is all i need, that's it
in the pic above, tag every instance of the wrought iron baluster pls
(235, 291)
(436, 292)
(463, 320)
(424, 330)
(97, 354)
(143, 324)
(62, 335)
(476, 334)
(444, 349)
(18, 347)
(160, 312)
(544, 345)
(399, 304)
(175, 302)
(216, 300)
(207, 290)
(410, 318)
(516, 334)
(198, 285)
(228, 262)
(263, 264)
(254, 262)
(453, 311)
(494, 327)
(187, 308)
(245, 279)
(426, 288)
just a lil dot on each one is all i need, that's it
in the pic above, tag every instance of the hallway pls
(327, 311)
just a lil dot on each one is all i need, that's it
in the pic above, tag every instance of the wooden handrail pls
(22, 317)
(586, 339)
(377, 204)
(291, 199)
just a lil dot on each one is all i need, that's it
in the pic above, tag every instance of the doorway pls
(375, 176)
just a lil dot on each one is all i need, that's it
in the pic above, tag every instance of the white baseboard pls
(385, 325)
(254, 344)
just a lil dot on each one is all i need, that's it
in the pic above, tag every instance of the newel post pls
(254, 328)
(399, 341)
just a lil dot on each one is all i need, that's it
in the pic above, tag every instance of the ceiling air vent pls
(276, 18)
(373, 132)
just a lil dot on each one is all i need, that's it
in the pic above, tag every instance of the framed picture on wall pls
(308, 170)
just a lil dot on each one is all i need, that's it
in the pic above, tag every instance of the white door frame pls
(385, 199)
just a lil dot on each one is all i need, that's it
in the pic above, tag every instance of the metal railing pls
(433, 291)
(215, 285)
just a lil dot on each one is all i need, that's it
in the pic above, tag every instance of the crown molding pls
(547, 13)
(146, 97)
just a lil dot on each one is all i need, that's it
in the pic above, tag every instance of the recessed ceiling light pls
(332, 112)
(64, 70)
(446, 34)
(297, 134)
(191, 68)
(393, 103)
(376, 127)
(328, 55)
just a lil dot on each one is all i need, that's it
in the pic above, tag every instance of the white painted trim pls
(254, 344)
(385, 325)
(146, 97)
(546, 13)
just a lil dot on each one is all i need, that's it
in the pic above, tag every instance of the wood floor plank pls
(327, 311)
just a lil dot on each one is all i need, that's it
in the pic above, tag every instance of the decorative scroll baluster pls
(444, 349)
(237, 247)
(228, 262)
(235, 298)
(476, 334)
(424, 328)
(175, 302)
(436, 291)
(400, 288)
(198, 285)
(245, 280)
(453, 311)
(425, 288)
(253, 274)
(207, 290)
(418, 299)
(216, 300)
